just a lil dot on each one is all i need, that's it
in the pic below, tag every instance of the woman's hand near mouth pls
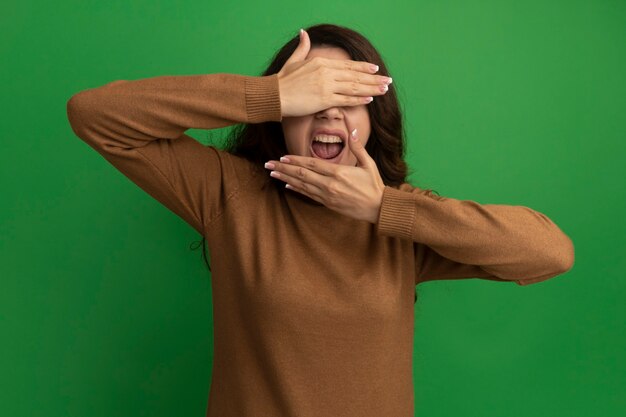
(354, 191)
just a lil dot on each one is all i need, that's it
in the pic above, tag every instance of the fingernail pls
(390, 80)
(301, 31)
(369, 99)
(269, 165)
(384, 88)
(274, 174)
(284, 159)
(353, 135)
(374, 68)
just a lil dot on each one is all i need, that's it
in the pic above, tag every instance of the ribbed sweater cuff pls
(263, 99)
(397, 213)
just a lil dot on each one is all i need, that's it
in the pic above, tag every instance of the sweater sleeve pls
(464, 239)
(138, 126)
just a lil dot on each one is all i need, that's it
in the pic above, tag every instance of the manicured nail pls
(269, 165)
(288, 186)
(384, 88)
(374, 67)
(368, 99)
(284, 159)
(274, 174)
(353, 135)
(389, 80)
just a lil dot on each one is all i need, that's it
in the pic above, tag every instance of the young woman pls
(317, 241)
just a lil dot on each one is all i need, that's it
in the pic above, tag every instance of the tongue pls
(326, 150)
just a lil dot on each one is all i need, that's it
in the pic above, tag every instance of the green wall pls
(104, 309)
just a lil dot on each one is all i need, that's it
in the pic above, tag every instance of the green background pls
(105, 310)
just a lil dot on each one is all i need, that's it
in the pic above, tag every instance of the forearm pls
(129, 114)
(508, 242)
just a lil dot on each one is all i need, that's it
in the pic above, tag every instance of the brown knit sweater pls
(313, 311)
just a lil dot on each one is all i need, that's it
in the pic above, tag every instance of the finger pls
(302, 50)
(301, 173)
(357, 148)
(351, 88)
(304, 192)
(314, 164)
(349, 100)
(348, 64)
(359, 77)
(298, 183)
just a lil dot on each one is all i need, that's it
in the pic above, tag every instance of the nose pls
(330, 113)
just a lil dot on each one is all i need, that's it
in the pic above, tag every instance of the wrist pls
(375, 211)
(262, 97)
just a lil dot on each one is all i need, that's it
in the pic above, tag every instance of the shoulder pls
(243, 180)
(235, 167)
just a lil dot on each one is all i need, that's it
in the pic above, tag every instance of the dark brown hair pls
(260, 142)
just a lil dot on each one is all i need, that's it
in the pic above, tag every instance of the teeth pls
(327, 139)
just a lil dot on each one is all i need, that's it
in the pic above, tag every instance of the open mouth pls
(327, 146)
